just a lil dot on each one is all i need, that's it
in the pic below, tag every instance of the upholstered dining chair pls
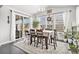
(54, 38)
(27, 35)
(32, 36)
(41, 37)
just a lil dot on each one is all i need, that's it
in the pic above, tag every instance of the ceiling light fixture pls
(42, 9)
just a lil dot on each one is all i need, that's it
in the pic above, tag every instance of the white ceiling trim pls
(19, 12)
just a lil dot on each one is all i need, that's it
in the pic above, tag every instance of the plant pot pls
(73, 49)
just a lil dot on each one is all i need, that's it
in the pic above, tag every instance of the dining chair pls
(54, 38)
(41, 37)
(32, 36)
(27, 35)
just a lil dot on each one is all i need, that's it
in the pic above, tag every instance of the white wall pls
(7, 31)
(4, 26)
(77, 17)
(0, 13)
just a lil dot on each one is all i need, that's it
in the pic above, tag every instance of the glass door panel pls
(19, 26)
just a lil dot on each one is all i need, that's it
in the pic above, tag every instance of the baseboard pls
(6, 42)
(9, 42)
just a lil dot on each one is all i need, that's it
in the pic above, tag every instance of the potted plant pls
(77, 36)
(35, 24)
(74, 46)
(65, 36)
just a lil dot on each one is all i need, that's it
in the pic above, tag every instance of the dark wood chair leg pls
(30, 40)
(42, 42)
(34, 41)
(55, 44)
(37, 42)
(51, 40)
(46, 43)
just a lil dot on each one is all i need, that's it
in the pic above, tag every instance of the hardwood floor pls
(11, 49)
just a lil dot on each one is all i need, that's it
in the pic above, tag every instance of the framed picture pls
(49, 18)
(8, 20)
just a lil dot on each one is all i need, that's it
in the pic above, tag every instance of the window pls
(42, 21)
(26, 23)
(22, 24)
(19, 26)
(59, 22)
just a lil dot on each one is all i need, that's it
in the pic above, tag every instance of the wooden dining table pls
(46, 35)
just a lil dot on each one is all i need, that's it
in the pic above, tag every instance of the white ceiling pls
(31, 9)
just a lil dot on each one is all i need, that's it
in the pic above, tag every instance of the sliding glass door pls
(22, 24)
(19, 26)
(26, 24)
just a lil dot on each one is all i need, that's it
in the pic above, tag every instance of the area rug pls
(62, 48)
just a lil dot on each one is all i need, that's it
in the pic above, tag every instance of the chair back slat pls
(39, 32)
(32, 31)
